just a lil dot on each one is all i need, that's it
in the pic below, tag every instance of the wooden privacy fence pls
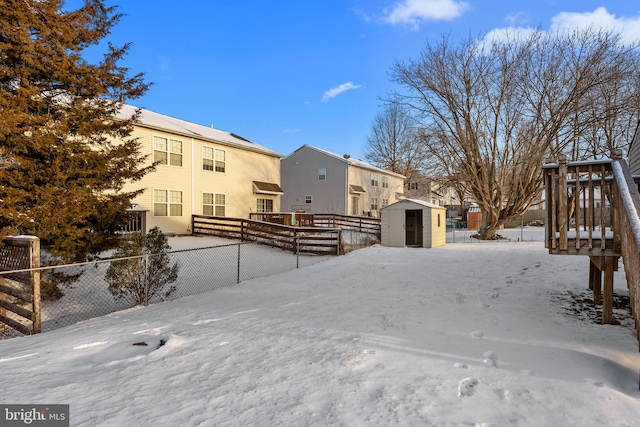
(592, 210)
(311, 240)
(360, 224)
(20, 284)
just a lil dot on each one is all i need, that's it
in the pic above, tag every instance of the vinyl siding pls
(236, 183)
(300, 179)
(362, 177)
(434, 234)
(634, 154)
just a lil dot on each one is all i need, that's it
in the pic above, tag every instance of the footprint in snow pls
(502, 393)
(468, 387)
(478, 335)
(120, 351)
(491, 358)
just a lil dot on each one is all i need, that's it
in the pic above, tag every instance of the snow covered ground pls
(491, 334)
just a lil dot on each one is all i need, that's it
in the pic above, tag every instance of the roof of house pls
(416, 201)
(350, 161)
(157, 121)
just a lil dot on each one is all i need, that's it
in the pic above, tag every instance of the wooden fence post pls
(563, 220)
(34, 262)
(607, 303)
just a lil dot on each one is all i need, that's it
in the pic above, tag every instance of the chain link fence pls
(533, 232)
(83, 290)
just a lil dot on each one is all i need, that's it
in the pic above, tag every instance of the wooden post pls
(576, 209)
(591, 212)
(603, 225)
(595, 278)
(563, 221)
(607, 305)
(553, 199)
(615, 206)
(34, 262)
(3, 311)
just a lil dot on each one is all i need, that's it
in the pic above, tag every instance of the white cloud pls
(628, 27)
(332, 93)
(412, 12)
(516, 18)
(499, 35)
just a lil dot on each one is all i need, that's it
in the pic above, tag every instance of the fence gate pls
(20, 284)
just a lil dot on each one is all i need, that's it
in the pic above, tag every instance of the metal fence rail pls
(200, 270)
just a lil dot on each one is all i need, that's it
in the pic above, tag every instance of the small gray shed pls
(412, 222)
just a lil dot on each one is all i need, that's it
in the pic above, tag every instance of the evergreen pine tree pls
(63, 156)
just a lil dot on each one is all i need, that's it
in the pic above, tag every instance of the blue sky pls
(287, 73)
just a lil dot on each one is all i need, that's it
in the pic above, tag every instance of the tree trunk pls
(489, 227)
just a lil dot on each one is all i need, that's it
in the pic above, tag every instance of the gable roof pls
(152, 120)
(416, 201)
(350, 161)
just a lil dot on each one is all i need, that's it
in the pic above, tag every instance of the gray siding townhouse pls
(318, 181)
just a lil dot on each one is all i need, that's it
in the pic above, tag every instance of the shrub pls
(146, 273)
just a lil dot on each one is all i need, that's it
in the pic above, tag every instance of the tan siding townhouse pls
(202, 171)
(318, 181)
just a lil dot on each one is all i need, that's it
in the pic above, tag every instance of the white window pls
(374, 203)
(355, 210)
(167, 151)
(213, 159)
(308, 199)
(167, 203)
(265, 205)
(374, 179)
(385, 182)
(322, 174)
(413, 186)
(385, 202)
(213, 204)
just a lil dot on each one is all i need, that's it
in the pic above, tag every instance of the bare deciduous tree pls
(394, 143)
(491, 111)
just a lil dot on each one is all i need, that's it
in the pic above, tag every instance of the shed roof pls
(417, 202)
(153, 120)
(350, 161)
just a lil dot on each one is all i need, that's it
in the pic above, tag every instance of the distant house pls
(318, 181)
(202, 171)
(633, 157)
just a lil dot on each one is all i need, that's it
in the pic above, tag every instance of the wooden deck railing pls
(592, 209)
(310, 240)
(627, 189)
(580, 195)
(360, 224)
